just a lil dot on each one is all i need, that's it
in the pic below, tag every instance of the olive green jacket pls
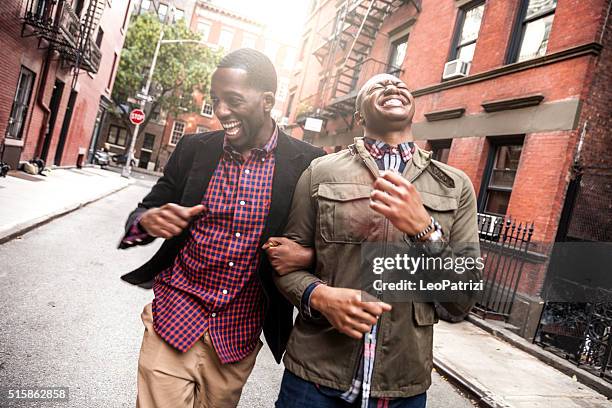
(330, 212)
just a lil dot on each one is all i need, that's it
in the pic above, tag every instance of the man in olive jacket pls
(383, 189)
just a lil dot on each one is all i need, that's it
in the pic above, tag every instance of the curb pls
(483, 396)
(28, 226)
(561, 364)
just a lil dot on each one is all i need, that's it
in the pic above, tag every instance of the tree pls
(182, 69)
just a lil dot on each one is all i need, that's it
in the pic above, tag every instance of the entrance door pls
(65, 128)
(56, 97)
(145, 158)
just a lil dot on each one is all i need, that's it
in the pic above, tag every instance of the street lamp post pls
(144, 98)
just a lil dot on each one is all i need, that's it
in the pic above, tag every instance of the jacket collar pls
(420, 159)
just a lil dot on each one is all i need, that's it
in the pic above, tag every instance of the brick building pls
(220, 28)
(58, 67)
(514, 93)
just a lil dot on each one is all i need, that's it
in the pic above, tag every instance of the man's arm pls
(158, 215)
(399, 201)
(344, 308)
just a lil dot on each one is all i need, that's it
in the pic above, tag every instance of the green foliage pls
(181, 69)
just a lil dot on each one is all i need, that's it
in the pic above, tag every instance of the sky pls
(282, 17)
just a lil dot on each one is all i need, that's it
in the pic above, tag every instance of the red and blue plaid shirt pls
(213, 284)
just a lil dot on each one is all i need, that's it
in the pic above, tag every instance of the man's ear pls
(359, 119)
(268, 99)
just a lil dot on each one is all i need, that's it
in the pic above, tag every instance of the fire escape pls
(345, 54)
(57, 25)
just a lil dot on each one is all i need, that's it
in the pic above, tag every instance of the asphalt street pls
(67, 320)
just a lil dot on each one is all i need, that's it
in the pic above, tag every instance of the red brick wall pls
(16, 51)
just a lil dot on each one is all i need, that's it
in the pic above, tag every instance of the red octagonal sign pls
(137, 116)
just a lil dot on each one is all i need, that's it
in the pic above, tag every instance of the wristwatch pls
(435, 243)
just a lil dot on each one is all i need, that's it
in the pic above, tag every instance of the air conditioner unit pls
(284, 121)
(456, 69)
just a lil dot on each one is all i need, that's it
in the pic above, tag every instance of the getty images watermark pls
(421, 272)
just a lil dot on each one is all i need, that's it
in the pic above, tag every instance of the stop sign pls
(137, 116)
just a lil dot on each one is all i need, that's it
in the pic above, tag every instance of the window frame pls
(494, 144)
(518, 31)
(459, 24)
(144, 142)
(115, 142)
(212, 111)
(25, 104)
(392, 53)
(170, 141)
(437, 145)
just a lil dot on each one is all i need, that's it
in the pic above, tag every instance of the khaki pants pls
(168, 378)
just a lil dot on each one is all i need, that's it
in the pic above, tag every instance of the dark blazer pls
(185, 181)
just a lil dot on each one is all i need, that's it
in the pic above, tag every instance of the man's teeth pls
(231, 128)
(393, 102)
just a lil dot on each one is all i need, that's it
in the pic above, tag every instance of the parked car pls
(101, 158)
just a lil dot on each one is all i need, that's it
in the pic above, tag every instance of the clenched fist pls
(168, 220)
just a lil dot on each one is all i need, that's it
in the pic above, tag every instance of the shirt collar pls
(378, 148)
(263, 151)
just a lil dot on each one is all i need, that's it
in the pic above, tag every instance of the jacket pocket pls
(442, 208)
(424, 314)
(344, 215)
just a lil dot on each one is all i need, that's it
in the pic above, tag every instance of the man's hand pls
(346, 309)
(168, 220)
(399, 201)
(287, 256)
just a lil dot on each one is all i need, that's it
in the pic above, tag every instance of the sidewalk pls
(27, 201)
(503, 375)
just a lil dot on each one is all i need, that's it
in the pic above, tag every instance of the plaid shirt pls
(387, 158)
(213, 283)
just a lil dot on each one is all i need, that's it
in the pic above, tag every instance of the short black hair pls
(260, 70)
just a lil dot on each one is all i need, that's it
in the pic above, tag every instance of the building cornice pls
(593, 48)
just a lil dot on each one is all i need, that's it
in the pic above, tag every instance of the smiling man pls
(348, 349)
(221, 196)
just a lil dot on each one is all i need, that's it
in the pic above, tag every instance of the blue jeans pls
(298, 393)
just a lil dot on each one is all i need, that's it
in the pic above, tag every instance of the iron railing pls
(505, 245)
(580, 332)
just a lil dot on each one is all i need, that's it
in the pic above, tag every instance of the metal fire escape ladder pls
(88, 51)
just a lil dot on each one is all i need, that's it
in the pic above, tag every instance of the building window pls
(303, 48)
(283, 89)
(225, 39)
(441, 149)
(178, 15)
(21, 103)
(178, 130)
(202, 129)
(145, 6)
(99, 37)
(207, 109)
(499, 176)
(249, 41)
(204, 30)
(162, 12)
(530, 37)
(109, 85)
(468, 26)
(271, 50)
(397, 55)
(117, 135)
(289, 59)
(290, 104)
(148, 142)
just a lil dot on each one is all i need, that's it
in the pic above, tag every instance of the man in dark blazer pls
(222, 195)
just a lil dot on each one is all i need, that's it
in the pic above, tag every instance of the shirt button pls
(264, 159)
(231, 263)
(247, 171)
(225, 291)
(237, 235)
(242, 202)
(213, 315)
